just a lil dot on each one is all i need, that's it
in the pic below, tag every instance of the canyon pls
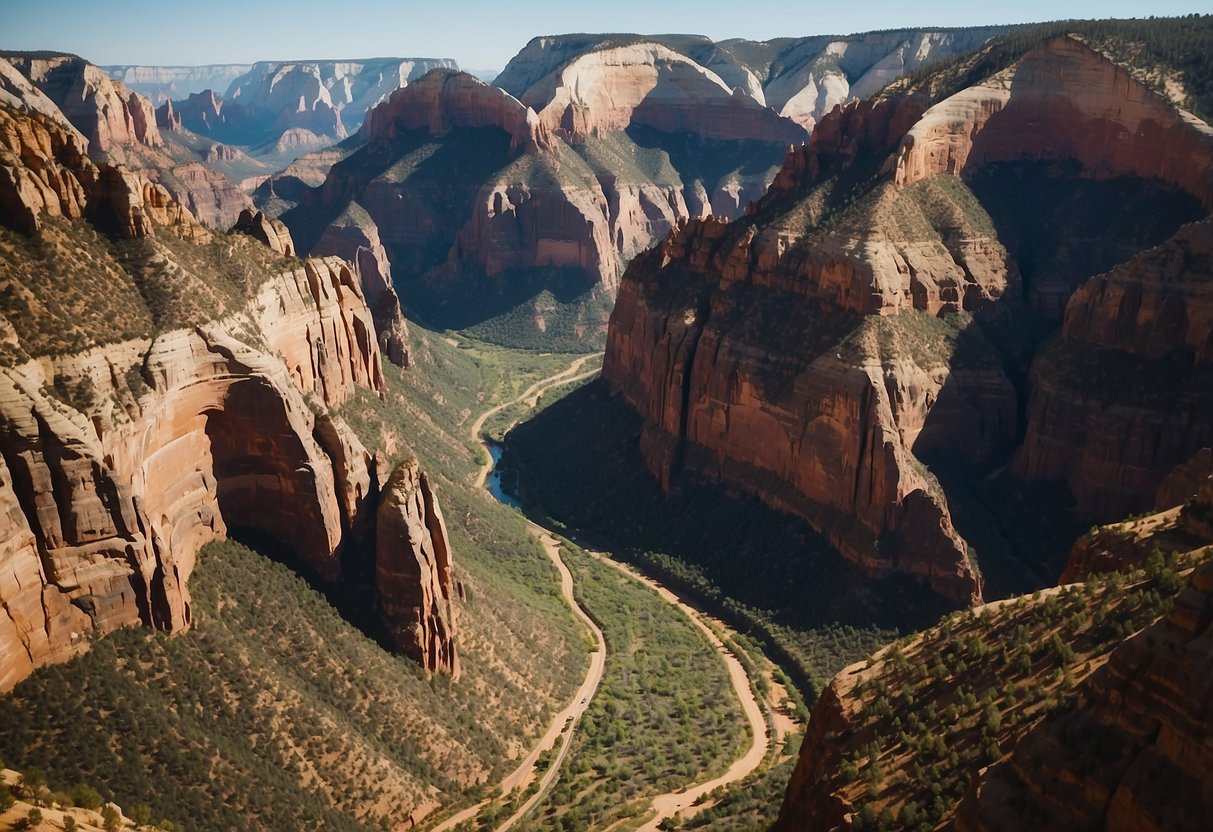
(914, 309)
(592, 149)
(125, 452)
(905, 288)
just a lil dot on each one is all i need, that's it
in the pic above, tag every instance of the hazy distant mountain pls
(161, 83)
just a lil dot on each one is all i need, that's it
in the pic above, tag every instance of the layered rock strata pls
(1126, 395)
(118, 462)
(413, 571)
(121, 127)
(271, 232)
(790, 352)
(1063, 100)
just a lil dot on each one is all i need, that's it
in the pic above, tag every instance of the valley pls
(664, 432)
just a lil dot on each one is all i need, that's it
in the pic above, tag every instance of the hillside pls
(952, 724)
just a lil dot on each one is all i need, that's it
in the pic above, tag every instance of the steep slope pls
(215, 355)
(905, 279)
(800, 79)
(895, 741)
(1123, 397)
(327, 98)
(121, 128)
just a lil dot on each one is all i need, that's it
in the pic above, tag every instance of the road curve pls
(662, 806)
(568, 717)
(674, 803)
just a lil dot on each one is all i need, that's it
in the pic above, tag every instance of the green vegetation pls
(767, 574)
(568, 321)
(232, 723)
(753, 803)
(938, 705)
(70, 287)
(240, 722)
(664, 716)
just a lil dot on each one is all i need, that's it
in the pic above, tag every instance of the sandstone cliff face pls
(1137, 750)
(162, 84)
(799, 80)
(116, 501)
(788, 352)
(327, 98)
(170, 441)
(649, 84)
(413, 571)
(1063, 101)
(446, 100)
(110, 116)
(122, 127)
(1124, 396)
(356, 241)
(271, 232)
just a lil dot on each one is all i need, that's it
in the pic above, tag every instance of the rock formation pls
(413, 571)
(272, 232)
(1063, 100)
(121, 127)
(1126, 395)
(329, 99)
(813, 351)
(1137, 750)
(162, 84)
(354, 237)
(798, 79)
(120, 460)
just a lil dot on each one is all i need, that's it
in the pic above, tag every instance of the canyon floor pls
(763, 708)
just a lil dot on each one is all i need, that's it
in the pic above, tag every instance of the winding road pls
(564, 723)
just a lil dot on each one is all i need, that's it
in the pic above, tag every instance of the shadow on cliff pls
(1060, 229)
(579, 462)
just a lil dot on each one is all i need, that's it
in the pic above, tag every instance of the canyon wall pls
(1126, 394)
(120, 460)
(1063, 100)
(1136, 751)
(815, 350)
(413, 570)
(121, 127)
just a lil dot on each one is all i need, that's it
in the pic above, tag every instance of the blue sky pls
(480, 34)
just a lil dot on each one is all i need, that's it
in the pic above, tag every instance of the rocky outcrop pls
(121, 128)
(1179, 485)
(413, 571)
(1063, 100)
(272, 232)
(649, 84)
(446, 100)
(355, 239)
(1125, 396)
(1137, 750)
(111, 117)
(798, 79)
(44, 171)
(192, 434)
(118, 462)
(162, 84)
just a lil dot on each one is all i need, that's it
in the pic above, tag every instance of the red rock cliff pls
(413, 571)
(1063, 100)
(107, 494)
(1126, 395)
